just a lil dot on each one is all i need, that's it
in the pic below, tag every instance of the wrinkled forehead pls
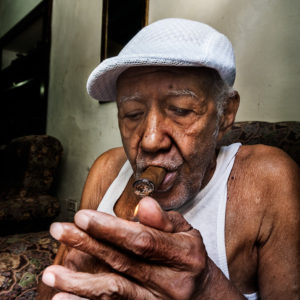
(202, 72)
(203, 77)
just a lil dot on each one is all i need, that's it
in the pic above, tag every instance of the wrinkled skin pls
(169, 118)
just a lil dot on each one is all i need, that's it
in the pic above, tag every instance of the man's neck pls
(210, 170)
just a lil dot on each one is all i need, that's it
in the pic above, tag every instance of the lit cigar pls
(149, 181)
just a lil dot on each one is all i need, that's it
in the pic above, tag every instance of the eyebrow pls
(184, 92)
(176, 93)
(135, 97)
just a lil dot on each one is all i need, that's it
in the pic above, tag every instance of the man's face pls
(167, 118)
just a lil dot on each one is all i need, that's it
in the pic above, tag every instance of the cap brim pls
(102, 82)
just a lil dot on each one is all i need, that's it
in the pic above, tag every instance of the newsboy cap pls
(168, 42)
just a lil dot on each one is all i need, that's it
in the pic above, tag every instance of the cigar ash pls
(143, 187)
(149, 181)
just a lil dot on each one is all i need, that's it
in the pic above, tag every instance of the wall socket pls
(71, 207)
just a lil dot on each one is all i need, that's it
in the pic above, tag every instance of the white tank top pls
(206, 212)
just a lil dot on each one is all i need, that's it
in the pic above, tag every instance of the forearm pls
(216, 286)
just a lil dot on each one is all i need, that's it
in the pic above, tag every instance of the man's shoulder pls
(270, 173)
(102, 173)
(263, 212)
(112, 159)
(266, 161)
(109, 164)
(263, 189)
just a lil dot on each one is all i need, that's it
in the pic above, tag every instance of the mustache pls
(170, 166)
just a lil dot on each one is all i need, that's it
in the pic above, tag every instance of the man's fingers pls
(149, 274)
(93, 286)
(151, 214)
(179, 222)
(108, 255)
(67, 296)
(188, 259)
(139, 239)
(74, 237)
(77, 260)
(172, 255)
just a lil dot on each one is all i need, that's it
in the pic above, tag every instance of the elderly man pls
(222, 224)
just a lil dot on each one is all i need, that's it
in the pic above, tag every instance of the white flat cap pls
(167, 42)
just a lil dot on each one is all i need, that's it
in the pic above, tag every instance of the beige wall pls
(84, 127)
(12, 11)
(265, 36)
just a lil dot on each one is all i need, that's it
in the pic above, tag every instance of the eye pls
(182, 112)
(134, 116)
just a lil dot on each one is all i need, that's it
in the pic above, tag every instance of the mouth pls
(167, 182)
(171, 168)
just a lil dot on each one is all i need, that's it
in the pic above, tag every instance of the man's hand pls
(162, 257)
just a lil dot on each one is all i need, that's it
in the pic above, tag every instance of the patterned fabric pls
(284, 135)
(25, 214)
(29, 166)
(28, 208)
(22, 261)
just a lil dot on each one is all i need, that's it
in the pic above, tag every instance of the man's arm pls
(279, 238)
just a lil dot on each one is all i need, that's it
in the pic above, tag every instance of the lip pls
(168, 182)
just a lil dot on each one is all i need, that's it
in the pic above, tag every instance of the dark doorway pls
(25, 51)
(121, 21)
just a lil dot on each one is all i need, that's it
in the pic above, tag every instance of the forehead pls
(189, 76)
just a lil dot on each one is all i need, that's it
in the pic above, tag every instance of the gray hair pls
(221, 92)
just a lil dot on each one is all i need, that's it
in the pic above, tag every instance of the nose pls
(155, 136)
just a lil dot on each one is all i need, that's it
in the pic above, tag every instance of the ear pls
(228, 117)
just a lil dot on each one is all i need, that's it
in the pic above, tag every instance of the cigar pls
(149, 181)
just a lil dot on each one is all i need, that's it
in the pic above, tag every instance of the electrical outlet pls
(72, 205)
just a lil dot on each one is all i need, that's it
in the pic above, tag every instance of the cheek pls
(130, 140)
(191, 140)
(125, 131)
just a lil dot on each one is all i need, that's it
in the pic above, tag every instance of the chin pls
(174, 199)
(182, 192)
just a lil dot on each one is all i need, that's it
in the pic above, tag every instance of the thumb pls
(150, 213)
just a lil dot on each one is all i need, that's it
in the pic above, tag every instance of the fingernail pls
(49, 279)
(56, 230)
(82, 220)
